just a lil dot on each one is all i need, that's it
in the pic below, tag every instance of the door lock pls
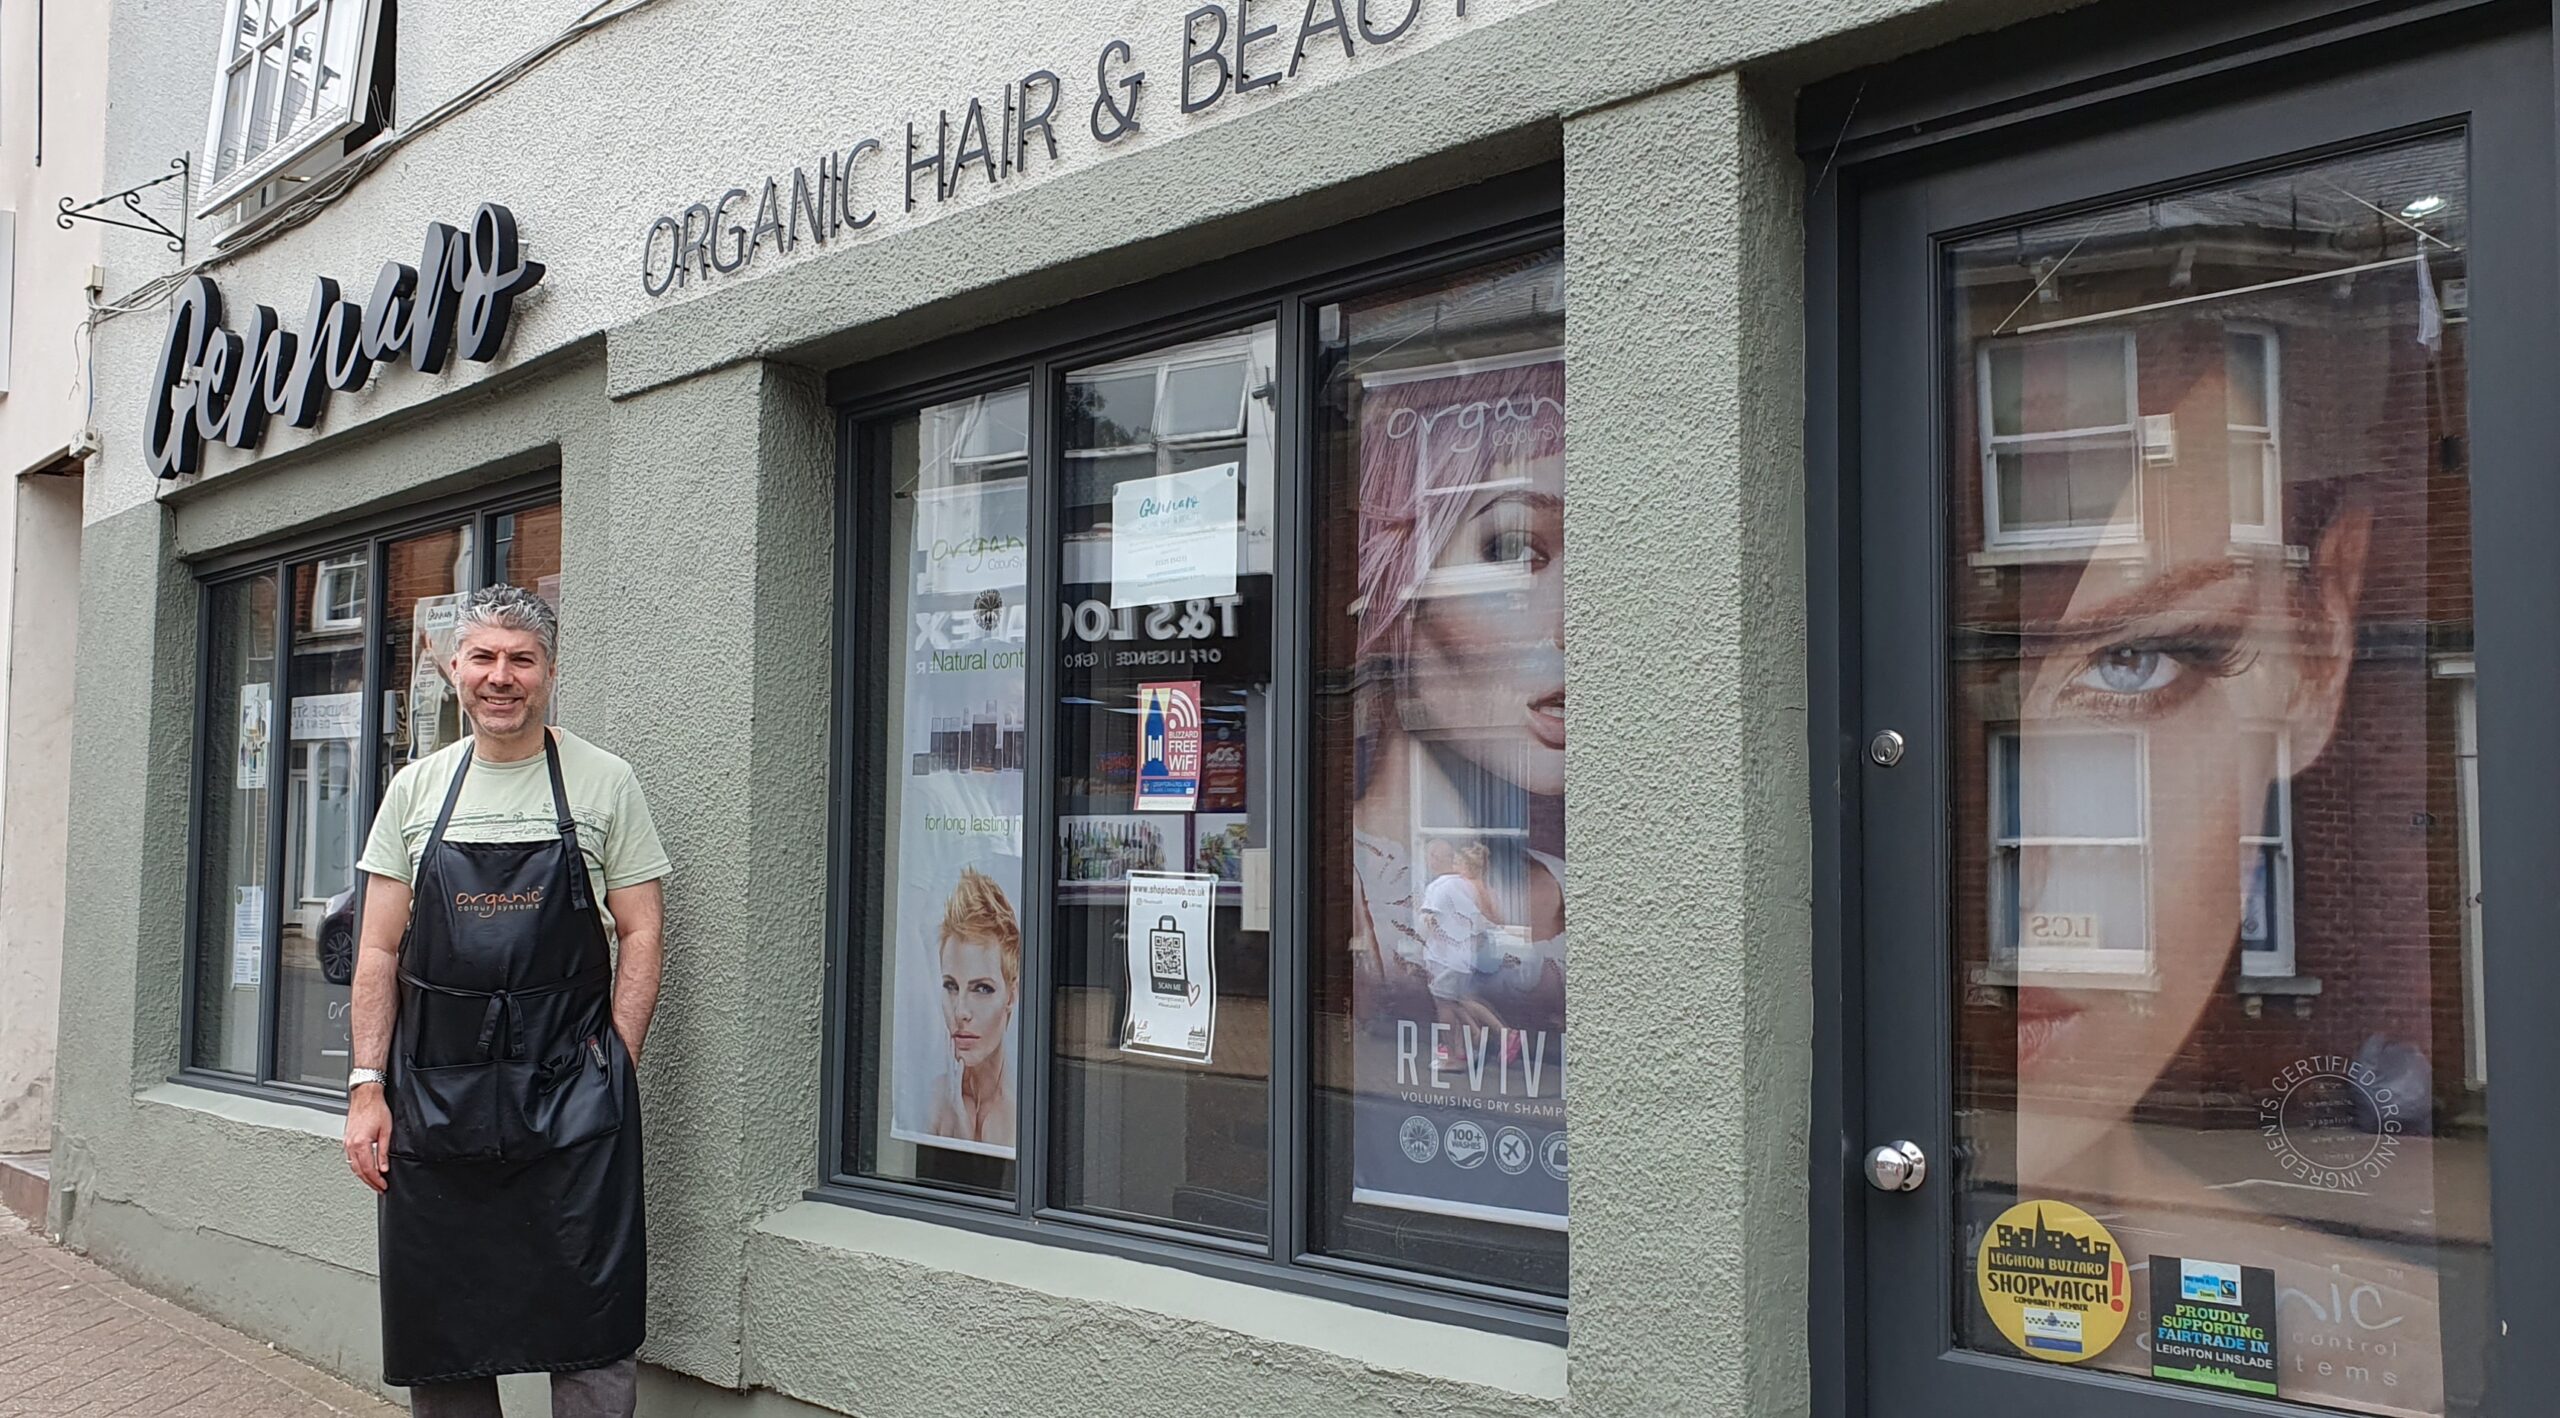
(1897, 1167)
(1885, 748)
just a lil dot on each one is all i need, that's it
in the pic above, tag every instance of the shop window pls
(338, 652)
(293, 80)
(1155, 937)
(2063, 448)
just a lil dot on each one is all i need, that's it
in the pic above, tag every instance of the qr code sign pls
(1167, 946)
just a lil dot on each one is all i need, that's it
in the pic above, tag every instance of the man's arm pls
(639, 915)
(372, 1011)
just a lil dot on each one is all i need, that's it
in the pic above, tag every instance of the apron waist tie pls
(502, 1002)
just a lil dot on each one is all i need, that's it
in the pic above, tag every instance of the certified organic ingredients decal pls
(2054, 1281)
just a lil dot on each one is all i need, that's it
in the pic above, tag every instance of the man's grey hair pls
(505, 607)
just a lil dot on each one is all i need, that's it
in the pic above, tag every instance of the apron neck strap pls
(578, 887)
(452, 795)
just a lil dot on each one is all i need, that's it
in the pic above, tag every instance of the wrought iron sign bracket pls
(65, 213)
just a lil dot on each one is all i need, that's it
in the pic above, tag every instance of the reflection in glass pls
(425, 579)
(2211, 594)
(1143, 602)
(1439, 935)
(937, 1095)
(238, 767)
(324, 722)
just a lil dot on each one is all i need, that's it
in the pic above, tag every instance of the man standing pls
(494, 1106)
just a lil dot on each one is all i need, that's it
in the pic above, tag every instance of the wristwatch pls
(359, 1077)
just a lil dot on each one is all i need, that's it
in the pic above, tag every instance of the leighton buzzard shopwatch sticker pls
(2054, 1281)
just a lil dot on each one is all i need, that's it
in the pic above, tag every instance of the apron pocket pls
(570, 1100)
(445, 1114)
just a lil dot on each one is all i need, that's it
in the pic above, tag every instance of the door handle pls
(1898, 1166)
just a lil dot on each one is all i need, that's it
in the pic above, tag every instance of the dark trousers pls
(608, 1392)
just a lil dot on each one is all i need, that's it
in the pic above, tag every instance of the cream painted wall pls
(41, 416)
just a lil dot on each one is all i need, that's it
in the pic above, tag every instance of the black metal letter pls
(1309, 29)
(941, 146)
(844, 184)
(806, 203)
(441, 262)
(1123, 121)
(675, 256)
(1214, 53)
(740, 254)
(490, 284)
(769, 217)
(170, 441)
(973, 149)
(244, 419)
(1412, 11)
(1246, 38)
(1040, 122)
(386, 315)
(305, 392)
(697, 243)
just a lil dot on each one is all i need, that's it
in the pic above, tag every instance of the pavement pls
(76, 1342)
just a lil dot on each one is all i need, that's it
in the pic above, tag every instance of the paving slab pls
(76, 1342)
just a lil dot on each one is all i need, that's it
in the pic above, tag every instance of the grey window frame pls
(1286, 283)
(275, 562)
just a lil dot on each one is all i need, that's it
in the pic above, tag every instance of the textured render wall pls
(716, 566)
(37, 656)
(1690, 900)
(679, 102)
(239, 1207)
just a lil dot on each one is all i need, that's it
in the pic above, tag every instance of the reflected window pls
(2061, 455)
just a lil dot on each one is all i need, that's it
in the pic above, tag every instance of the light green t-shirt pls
(511, 802)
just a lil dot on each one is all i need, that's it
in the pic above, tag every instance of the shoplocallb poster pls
(955, 802)
(1458, 935)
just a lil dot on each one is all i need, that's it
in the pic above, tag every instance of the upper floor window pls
(2062, 445)
(294, 79)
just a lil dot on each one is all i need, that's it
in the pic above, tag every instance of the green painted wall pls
(696, 468)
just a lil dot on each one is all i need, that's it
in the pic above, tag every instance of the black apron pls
(511, 1235)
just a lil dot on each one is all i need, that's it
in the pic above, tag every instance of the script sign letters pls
(217, 383)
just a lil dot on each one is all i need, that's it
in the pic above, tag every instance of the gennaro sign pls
(213, 382)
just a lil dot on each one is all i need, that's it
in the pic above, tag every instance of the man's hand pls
(369, 1137)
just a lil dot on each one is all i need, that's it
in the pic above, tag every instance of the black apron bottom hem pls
(501, 1371)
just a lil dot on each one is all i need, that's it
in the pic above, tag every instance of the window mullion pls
(1290, 680)
(366, 762)
(1038, 911)
(279, 802)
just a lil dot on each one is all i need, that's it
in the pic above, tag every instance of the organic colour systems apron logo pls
(2054, 1281)
(486, 904)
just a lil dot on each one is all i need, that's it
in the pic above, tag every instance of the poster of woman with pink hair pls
(1457, 842)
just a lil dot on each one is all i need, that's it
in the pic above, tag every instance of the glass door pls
(2209, 513)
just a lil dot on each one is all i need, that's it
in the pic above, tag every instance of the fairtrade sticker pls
(2054, 1281)
(2213, 1323)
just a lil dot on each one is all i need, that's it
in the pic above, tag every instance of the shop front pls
(1972, 889)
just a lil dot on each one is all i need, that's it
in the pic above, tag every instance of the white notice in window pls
(248, 935)
(1173, 538)
(1173, 991)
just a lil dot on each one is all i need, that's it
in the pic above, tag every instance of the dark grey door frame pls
(1897, 161)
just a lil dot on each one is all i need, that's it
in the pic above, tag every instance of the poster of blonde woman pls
(955, 993)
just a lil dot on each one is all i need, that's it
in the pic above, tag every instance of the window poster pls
(249, 746)
(1168, 725)
(955, 800)
(1173, 537)
(1458, 930)
(248, 935)
(1173, 989)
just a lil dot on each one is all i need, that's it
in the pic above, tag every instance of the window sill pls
(2071, 553)
(1445, 1350)
(2008, 977)
(249, 1104)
